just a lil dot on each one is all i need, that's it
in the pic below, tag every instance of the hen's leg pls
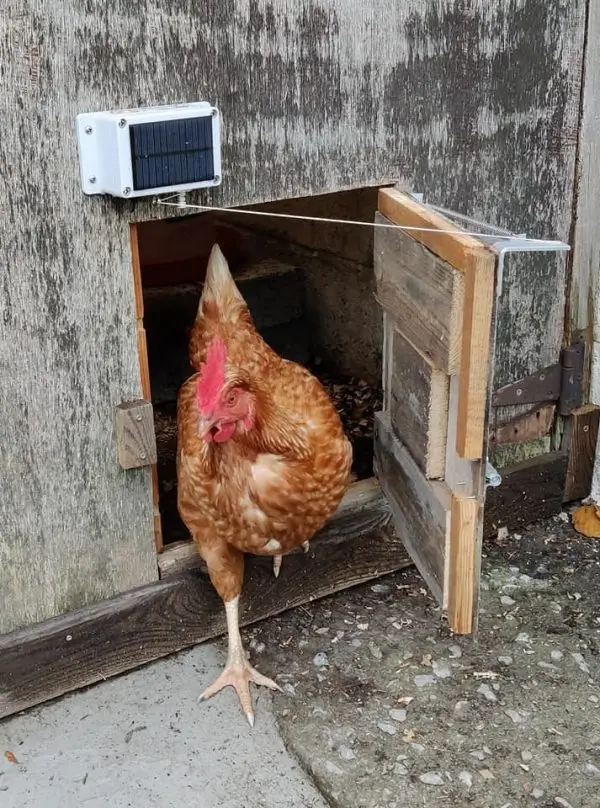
(226, 572)
(238, 671)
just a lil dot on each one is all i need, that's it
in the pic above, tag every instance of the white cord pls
(166, 201)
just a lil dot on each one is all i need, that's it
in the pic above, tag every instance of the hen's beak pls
(204, 427)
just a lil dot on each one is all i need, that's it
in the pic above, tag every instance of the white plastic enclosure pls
(155, 150)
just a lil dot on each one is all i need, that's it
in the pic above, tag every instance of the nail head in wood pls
(136, 439)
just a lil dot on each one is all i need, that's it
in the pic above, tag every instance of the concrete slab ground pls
(143, 741)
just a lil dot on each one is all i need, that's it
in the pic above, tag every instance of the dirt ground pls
(386, 709)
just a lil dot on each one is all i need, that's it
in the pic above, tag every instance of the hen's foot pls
(239, 675)
(238, 672)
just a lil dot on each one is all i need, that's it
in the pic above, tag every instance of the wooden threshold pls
(182, 610)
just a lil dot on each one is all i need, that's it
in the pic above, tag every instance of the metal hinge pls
(561, 383)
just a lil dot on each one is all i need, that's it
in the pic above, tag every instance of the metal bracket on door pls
(503, 241)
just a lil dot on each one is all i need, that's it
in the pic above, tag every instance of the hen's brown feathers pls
(267, 490)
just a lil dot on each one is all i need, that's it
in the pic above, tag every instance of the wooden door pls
(437, 291)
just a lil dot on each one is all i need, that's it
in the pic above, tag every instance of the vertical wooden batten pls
(583, 300)
(480, 283)
(145, 370)
(463, 562)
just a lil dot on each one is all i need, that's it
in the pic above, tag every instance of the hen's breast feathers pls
(283, 481)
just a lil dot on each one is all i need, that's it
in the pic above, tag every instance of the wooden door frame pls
(144, 368)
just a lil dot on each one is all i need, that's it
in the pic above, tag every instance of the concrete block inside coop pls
(275, 294)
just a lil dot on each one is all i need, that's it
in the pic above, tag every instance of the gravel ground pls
(386, 709)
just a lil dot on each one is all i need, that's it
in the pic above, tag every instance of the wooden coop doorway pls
(397, 325)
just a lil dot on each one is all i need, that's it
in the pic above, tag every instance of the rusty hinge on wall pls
(561, 383)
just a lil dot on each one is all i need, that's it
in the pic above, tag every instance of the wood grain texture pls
(386, 360)
(316, 97)
(420, 507)
(136, 441)
(465, 561)
(364, 509)
(105, 640)
(476, 356)
(585, 267)
(532, 425)
(422, 293)
(408, 284)
(419, 406)
(530, 325)
(142, 346)
(463, 477)
(584, 437)
(455, 248)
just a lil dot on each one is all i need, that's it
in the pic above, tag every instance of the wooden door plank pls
(419, 506)
(386, 359)
(477, 263)
(422, 293)
(584, 434)
(445, 544)
(455, 247)
(464, 556)
(419, 406)
(480, 286)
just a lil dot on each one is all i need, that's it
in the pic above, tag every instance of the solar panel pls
(175, 152)
(141, 152)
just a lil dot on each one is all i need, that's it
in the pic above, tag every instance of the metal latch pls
(492, 478)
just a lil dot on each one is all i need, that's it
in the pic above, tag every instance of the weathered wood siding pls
(474, 103)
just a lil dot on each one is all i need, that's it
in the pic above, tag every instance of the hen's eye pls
(231, 398)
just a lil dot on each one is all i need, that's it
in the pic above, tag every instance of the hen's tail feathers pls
(221, 299)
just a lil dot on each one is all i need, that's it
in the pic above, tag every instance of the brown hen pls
(262, 459)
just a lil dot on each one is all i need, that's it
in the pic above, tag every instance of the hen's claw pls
(277, 559)
(239, 675)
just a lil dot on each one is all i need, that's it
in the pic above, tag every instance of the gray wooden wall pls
(473, 103)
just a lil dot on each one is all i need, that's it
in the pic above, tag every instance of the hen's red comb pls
(212, 376)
